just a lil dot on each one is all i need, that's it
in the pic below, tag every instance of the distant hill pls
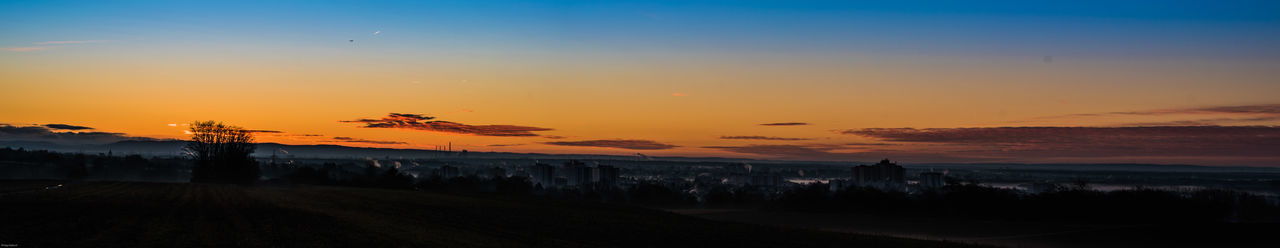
(174, 148)
(141, 147)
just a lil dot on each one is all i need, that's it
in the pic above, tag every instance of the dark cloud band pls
(427, 123)
(785, 124)
(66, 127)
(47, 134)
(759, 138)
(1260, 141)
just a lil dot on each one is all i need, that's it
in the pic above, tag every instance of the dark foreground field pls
(1016, 233)
(195, 215)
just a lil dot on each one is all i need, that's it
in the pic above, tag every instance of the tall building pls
(608, 175)
(881, 173)
(579, 173)
(931, 180)
(543, 174)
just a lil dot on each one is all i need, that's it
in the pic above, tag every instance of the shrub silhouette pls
(221, 153)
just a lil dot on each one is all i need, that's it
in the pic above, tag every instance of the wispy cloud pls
(1207, 121)
(809, 151)
(785, 124)
(46, 45)
(66, 127)
(1221, 145)
(1237, 109)
(1041, 142)
(869, 144)
(1198, 116)
(23, 49)
(427, 123)
(759, 138)
(62, 42)
(355, 140)
(617, 143)
(852, 151)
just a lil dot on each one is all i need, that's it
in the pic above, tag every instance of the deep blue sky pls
(1083, 28)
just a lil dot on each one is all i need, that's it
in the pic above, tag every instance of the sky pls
(1179, 82)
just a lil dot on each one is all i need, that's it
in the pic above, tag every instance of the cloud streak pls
(811, 151)
(1199, 116)
(785, 124)
(1223, 141)
(365, 141)
(45, 45)
(66, 127)
(1207, 122)
(846, 152)
(23, 49)
(63, 42)
(420, 122)
(616, 143)
(759, 138)
(1268, 109)
(46, 134)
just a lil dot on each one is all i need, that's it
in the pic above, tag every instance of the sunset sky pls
(1194, 82)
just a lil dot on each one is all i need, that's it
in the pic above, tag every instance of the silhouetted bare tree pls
(221, 153)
